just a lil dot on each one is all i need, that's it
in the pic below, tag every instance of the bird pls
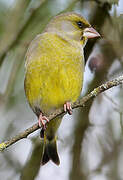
(54, 69)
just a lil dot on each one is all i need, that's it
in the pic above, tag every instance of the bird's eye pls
(79, 23)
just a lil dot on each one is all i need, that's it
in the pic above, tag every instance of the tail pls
(50, 152)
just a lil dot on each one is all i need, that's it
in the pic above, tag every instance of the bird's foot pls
(67, 107)
(42, 120)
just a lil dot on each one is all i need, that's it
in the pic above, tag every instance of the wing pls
(53, 72)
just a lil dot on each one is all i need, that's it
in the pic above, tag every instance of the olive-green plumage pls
(54, 72)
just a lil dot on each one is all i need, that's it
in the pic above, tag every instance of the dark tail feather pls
(50, 152)
(45, 157)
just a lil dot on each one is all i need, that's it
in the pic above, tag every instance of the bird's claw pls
(42, 120)
(67, 107)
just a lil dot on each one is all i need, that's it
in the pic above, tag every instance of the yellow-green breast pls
(54, 72)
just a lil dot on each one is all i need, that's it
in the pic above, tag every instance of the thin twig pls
(79, 103)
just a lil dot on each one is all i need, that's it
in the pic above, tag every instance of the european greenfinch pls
(54, 73)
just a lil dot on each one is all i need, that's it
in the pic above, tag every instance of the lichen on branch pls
(79, 103)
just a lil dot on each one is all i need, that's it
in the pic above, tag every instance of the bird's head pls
(73, 26)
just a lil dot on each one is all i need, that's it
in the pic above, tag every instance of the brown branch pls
(79, 103)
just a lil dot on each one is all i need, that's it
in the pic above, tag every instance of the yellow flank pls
(54, 72)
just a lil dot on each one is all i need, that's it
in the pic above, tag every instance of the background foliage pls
(90, 143)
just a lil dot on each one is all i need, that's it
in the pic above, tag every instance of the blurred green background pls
(91, 141)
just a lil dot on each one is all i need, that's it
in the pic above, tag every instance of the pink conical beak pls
(90, 33)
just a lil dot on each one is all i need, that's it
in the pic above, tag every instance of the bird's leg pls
(67, 107)
(42, 120)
